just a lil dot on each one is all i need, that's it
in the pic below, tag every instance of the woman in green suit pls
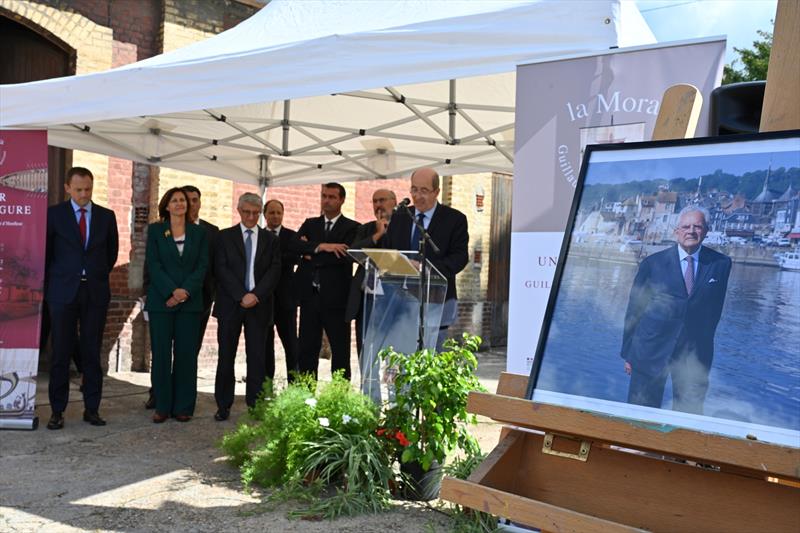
(176, 259)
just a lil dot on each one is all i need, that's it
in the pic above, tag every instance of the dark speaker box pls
(736, 108)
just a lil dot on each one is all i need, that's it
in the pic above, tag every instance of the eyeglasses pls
(693, 227)
(247, 212)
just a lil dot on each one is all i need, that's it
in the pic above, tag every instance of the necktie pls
(688, 275)
(328, 225)
(416, 235)
(82, 226)
(275, 232)
(248, 255)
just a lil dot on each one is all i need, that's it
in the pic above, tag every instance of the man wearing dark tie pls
(82, 246)
(285, 310)
(674, 307)
(323, 282)
(247, 266)
(448, 229)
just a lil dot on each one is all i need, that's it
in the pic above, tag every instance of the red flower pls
(402, 439)
(379, 432)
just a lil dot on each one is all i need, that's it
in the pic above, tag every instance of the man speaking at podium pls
(448, 229)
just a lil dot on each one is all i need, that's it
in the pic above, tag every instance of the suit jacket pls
(333, 273)
(285, 295)
(447, 228)
(661, 317)
(168, 270)
(209, 283)
(66, 258)
(363, 239)
(229, 269)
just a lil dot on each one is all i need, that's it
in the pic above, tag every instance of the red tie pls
(82, 226)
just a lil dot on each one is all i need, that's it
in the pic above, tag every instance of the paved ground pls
(133, 475)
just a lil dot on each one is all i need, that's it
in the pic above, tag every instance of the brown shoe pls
(158, 418)
(183, 418)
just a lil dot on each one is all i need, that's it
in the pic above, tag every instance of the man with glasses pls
(247, 266)
(674, 307)
(448, 229)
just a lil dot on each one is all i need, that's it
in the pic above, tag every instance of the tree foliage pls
(754, 61)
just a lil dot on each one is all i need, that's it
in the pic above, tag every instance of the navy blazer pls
(333, 272)
(229, 269)
(448, 229)
(661, 317)
(285, 296)
(66, 258)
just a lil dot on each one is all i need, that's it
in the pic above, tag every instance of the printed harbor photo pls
(678, 300)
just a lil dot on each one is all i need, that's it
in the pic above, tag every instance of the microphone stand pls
(425, 238)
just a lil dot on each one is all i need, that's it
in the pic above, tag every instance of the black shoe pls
(56, 420)
(93, 417)
(151, 401)
(222, 414)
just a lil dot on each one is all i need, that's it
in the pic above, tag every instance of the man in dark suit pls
(285, 309)
(448, 229)
(247, 265)
(323, 282)
(673, 311)
(82, 246)
(368, 236)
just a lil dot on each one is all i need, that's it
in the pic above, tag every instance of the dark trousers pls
(286, 324)
(229, 329)
(689, 384)
(65, 320)
(173, 339)
(314, 317)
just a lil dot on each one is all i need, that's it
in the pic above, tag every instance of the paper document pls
(391, 262)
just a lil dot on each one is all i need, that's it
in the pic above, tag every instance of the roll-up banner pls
(23, 224)
(563, 106)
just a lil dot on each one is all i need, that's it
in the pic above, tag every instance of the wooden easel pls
(562, 469)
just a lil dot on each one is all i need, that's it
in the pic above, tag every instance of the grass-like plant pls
(270, 445)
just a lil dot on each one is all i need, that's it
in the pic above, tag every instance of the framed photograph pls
(676, 299)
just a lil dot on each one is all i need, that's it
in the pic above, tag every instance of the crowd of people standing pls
(254, 278)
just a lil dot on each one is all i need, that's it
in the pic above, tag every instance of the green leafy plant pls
(270, 446)
(430, 411)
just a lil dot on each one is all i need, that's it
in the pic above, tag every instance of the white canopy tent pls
(316, 90)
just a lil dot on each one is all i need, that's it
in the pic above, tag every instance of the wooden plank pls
(520, 509)
(500, 454)
(781, 107)
(654, 494)
(680, 110)
(514, 385)
(763, 458)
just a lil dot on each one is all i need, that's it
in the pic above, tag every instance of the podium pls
(392, 294)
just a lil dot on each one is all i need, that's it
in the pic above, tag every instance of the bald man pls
(368, 236)
(448, 229)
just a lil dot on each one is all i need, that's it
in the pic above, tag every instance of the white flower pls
(324, 422)
(312, 402)
(346, 418)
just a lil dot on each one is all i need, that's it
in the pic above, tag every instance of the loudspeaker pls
(736, 108)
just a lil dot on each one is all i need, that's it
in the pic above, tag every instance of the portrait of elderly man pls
(674, 307)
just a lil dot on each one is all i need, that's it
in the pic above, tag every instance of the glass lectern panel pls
(392, 294)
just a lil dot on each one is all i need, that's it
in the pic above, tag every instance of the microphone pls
(403, 203)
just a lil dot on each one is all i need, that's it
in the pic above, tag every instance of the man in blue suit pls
(673, 311)
(82, 246)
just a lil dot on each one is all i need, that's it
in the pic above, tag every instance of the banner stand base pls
(19, 423)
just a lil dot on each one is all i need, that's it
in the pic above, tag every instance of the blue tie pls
(416, 235)
(248, 256)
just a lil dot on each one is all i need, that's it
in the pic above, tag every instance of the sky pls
(673, 20)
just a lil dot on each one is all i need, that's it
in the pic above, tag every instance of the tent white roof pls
(310, 91)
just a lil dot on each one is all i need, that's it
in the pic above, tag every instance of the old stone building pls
(43, 39)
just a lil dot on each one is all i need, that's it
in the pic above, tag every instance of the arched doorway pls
(30, 54)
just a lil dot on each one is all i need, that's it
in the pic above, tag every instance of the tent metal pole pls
(488, 137)
(129, 149)
(451, 109)
(402, 100)
(263, 183)
(222, 118)
(285, 126)
(483, 133)
(338, 152)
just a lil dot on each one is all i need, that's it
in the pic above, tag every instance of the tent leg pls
(451, 109)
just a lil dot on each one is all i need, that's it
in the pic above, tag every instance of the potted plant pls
(428, 419)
